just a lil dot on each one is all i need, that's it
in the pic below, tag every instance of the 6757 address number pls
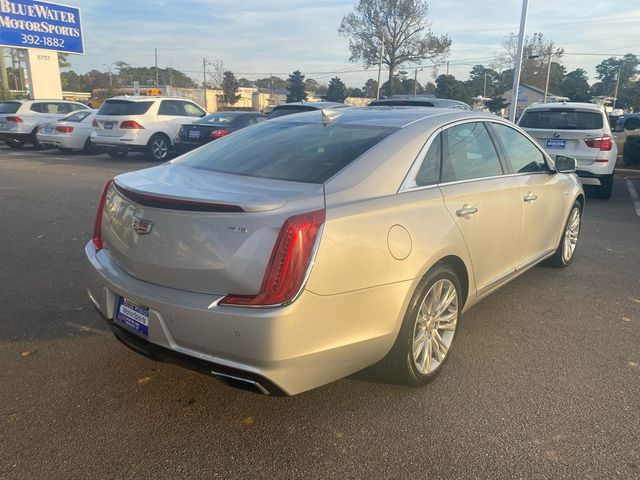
(28, 39)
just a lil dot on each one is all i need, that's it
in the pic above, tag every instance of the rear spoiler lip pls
(152, 200)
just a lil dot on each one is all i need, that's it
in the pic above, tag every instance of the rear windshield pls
(401, 103)
(9, 107)
(76, 117)
(294, 151)
(289, 110)
(124, 107)
(219, 118)
(557, 119)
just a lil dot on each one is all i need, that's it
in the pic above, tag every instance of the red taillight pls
(95, 123)
(64, 129)
(131, 124)
(219, 132)
(604, 143)
(14, 119)
(97, 239)
(288, 264)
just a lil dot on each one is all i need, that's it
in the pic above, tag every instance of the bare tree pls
(217, 74)
(404, 27)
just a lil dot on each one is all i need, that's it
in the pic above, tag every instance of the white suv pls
(144, 124)
(579, 130)
(20, 119)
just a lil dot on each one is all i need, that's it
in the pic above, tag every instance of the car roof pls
(143, 98)
(382, 116)
(29, 100)
(428, 101)
(564, 105)
(235, 112)
(317, 105)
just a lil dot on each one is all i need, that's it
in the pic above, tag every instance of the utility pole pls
(447, 67)
(156, 51)
(518, 66)
(204, 82)
(415, 83)
(615, 95)
(484, 87)
(380, 66)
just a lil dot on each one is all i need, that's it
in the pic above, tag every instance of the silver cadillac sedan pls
(303, 249)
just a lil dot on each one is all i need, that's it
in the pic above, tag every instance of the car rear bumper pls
(74, 142)
(136, 140)
(285, 350)
(181, 146)
(590, 178)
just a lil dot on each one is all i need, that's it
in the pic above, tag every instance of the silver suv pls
(20, 119)
(580, 130)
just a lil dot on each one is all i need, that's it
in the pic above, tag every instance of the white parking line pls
(635, 198)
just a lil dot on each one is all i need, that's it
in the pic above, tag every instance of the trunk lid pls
(207, 232)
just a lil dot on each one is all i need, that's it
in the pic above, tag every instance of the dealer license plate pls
(194, 133)
(133, 316)
(555, 143)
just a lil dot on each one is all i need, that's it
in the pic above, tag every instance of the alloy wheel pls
(571, 235)
(159, 148)
(435, 326)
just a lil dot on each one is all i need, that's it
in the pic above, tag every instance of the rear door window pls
(294, 151)
(469, 153)
(429, 173)
(9, 107)
(561, 119)
(124, 107)
(173, 108)
(191, 110)
(47, 107)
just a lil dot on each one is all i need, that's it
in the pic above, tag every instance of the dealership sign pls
(35, 24)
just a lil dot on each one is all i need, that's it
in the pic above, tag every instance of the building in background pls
(528, 95)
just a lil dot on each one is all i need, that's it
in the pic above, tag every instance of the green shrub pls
(631, 150)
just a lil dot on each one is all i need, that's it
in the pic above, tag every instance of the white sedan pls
(72, 132)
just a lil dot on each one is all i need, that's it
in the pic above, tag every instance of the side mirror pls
(565, 164)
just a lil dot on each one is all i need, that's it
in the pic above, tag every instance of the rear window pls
(76, 117)
(289, 110)
(294, 151)
(557, 119)
(124, 107)
(9, 107)
(220, 118)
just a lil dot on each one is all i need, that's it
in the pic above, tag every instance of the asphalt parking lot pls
(544, 380)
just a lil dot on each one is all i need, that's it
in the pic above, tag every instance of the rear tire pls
(88, 147)
(14, 143)
(33, 138)
(564, 254)
(632, 124)
(117, 153)
(158, 148)
(605, 188)
(428, 330)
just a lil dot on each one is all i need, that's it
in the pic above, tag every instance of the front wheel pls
(428, 329)
(569, 241)
(158, 148)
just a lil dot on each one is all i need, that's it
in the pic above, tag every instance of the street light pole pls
(380, 66)
(615, 95)
(546, 84)
(518, 66)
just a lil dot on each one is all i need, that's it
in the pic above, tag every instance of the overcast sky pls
(255, 37)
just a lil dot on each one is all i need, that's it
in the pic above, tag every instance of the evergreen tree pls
(296, 85)
(229, 88)
(337, 90)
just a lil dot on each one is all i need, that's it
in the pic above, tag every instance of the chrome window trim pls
(409, 178)
(517, 128)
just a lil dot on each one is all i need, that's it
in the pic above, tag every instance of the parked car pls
(301, 107)
(72, 132)
(580, 130)
(628, 121)
(303, 249)
(20, 119)
(212, 127)
(420, 101)
(142, 124)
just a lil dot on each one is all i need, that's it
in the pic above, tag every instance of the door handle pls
(530, 197)
(465, 211)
